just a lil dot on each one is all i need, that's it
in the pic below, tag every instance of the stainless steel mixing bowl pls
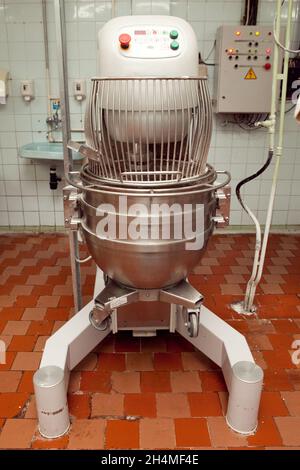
(146, 263)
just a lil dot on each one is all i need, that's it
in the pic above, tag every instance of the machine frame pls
(197, 324)
(209, 334)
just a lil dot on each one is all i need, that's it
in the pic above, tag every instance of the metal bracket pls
(223, 208)
(240, 308)
(114, 296)
(182, 294)
(71, 208)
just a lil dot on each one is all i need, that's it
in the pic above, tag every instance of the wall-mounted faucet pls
(53, 120)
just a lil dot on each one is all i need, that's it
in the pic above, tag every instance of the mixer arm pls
(83, 149)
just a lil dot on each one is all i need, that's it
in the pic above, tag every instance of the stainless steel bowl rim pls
(120, 190)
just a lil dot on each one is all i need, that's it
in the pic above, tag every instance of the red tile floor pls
(172, 395)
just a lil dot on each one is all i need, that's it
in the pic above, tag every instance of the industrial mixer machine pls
(145, 202)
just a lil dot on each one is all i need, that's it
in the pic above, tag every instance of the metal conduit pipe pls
(246, 306)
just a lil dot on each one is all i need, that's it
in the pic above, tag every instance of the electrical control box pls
(244, 69)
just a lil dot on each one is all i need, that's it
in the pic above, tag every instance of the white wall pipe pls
(271, 123)
(259, 260)
(246, 306)
(60, 25)
(113, 8)
(47, 67)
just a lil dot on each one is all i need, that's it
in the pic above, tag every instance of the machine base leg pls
(215, 338)
(229, 349)
(63, 351)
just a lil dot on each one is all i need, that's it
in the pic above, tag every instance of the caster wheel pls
(193, 324)
(100, 326)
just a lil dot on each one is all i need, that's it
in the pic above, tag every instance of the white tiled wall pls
(25, 197)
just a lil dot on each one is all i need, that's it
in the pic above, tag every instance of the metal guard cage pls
(148, 131)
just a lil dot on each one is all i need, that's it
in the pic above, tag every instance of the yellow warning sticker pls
(250, 75)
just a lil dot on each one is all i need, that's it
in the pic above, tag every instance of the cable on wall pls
(250, 12)
(204, 61)
(252, 177)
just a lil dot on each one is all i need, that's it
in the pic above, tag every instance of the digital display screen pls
(140, 32)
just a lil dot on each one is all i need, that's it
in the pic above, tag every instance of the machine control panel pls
(153, 42)
(244, 59)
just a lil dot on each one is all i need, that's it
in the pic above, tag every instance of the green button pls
(174, 34)
(174, 45)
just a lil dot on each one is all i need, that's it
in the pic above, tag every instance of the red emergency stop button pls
(124, 40)
(267, 66)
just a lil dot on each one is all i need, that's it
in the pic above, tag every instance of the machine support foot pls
(63, 351)
(229, 349)
(51, 401)
(244, 397)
